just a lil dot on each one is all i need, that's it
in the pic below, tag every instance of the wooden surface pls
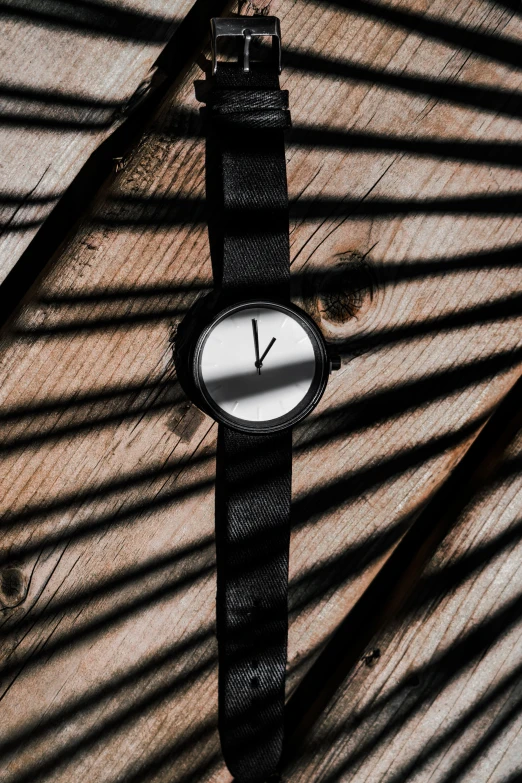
(71, 73)
(405, 235)
(437, 696)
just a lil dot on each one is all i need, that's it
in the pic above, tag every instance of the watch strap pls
(253, 491)
(247, 114)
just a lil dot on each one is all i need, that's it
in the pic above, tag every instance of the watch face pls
(261, 366)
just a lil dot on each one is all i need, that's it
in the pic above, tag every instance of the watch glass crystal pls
(258, 363)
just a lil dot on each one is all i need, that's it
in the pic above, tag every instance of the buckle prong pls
(245, 27)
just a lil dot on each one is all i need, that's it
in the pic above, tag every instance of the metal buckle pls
(245, 27)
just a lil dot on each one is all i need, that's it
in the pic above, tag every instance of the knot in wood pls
(347, 290)
(338, 297)
(12, 586)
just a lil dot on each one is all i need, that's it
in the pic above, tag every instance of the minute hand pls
(256, 346)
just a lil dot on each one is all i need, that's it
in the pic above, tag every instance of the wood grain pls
(437, 695)
(406, 239)
(71, 73)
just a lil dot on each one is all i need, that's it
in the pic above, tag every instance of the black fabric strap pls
(247, 199)
(247, 196)
(253, 492)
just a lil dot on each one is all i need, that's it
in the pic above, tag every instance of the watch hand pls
(270, 344)
(256, 346)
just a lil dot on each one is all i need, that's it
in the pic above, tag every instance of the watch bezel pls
(309, 401)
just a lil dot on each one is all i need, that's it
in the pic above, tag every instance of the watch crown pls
(335, 363)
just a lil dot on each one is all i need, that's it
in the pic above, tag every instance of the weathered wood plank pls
(71, 73)
(437, 695)
(406, 236)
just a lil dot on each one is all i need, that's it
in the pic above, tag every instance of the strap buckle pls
(245, 27)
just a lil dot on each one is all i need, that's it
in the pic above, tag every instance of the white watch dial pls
(257, 382)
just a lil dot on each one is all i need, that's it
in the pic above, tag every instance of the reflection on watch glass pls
(258, 363)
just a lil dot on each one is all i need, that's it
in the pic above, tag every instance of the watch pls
(258, 365)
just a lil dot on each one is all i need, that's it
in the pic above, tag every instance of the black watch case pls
(305, 406)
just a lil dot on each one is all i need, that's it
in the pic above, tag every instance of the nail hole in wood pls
(372, 657)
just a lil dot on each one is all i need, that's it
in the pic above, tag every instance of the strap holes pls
(254, 682)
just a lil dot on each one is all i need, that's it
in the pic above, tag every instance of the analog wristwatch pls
(258, 365)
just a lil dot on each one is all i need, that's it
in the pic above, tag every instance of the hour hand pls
(270, 344)
(256, 346)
